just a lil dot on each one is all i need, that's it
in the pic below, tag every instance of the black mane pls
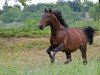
(59, 17)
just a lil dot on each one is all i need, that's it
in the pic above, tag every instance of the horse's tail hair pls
(90, 34)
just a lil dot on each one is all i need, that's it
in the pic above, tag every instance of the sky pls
(53, 1)
(12, 2)
(43, 1)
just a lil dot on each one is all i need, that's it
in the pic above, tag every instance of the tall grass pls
(74, 68)
(30, 28)
(28, 57)
(21, 30)
(86, 23)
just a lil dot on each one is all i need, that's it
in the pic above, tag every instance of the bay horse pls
(65, 39)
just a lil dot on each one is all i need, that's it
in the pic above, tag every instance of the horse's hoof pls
(84, 62)
(52, 61)
(66, 62)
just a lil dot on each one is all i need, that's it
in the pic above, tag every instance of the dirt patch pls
(39, 55)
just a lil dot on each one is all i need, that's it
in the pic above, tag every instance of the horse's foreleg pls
(68, 57)
(49, 52)
(59, 48)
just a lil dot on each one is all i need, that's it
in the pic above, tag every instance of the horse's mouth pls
(41, 27)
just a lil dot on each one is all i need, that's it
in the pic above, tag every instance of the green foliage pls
(75, 5)
(29, 17)
(30, 8)
(71, 11)
(23, 2)
(17, 6)
(85, 23)
(74, 68)
(86, 6)
(13, 15)
(31, 21)
(6, 8)
(30, 28)
(67, 12)
(95, 12)
(27, 29)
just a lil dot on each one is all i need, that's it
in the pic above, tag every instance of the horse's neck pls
(56, 26)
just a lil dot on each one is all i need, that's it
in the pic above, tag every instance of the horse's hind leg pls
(83, 52)
(68, 57)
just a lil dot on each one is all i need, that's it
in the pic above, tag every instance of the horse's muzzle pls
(41, 27)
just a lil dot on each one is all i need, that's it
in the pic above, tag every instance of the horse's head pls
(46, 19)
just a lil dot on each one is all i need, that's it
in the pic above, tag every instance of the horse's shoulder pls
(52, 38)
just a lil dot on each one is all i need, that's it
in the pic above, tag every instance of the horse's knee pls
(48, 50)
(59, 48)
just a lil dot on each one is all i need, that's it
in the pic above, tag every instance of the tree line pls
(71, 10)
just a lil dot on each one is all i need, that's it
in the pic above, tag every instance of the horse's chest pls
(53, 41)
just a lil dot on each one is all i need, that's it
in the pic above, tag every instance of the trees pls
(75, 5)
(95, 12)
(12, 15)
(86, 6)
(30, 8)
(71, 10)
(21, 1)
(6, 8)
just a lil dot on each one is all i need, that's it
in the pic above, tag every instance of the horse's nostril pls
(41, 26)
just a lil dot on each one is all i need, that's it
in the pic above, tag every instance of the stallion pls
(65, 39)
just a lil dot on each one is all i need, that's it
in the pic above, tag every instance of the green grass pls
(22, 56)
(86, 23)
(30, 29)
(27, 56)
(74, 68)
(22, 46)
(22, 30)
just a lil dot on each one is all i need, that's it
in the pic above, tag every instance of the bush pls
(13, 15)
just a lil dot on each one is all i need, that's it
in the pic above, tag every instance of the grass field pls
(23, 51)
(23, 45)
(27, 56)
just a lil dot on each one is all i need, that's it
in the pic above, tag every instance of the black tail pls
(89, 33)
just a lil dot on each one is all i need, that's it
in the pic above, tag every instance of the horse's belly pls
(72, 47)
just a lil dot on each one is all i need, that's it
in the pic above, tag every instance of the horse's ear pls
(50, 10)
(45, 10)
